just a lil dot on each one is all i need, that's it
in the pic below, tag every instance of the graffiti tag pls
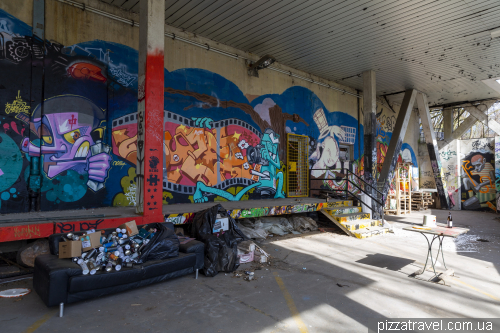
(27, 232)
(17, 106)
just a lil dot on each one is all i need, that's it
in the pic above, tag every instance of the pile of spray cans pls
(117, 250)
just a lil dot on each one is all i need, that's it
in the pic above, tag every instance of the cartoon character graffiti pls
(265, 162)
(326, 154)
(478, 182)
(67, 134)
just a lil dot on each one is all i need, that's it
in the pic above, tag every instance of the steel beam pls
(448, 123)
(430, 139)
(398, 134)
(482, 117)
(150, 123)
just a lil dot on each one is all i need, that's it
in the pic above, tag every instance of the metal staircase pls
(351, 219)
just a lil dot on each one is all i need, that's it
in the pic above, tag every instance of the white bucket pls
(429, 221)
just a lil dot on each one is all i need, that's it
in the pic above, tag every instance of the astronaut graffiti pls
(478, 181)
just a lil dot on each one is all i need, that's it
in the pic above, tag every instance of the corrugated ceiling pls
(443, 48)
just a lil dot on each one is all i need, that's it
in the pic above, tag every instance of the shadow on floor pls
(385, 261)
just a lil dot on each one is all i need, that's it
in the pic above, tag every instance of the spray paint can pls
(109, 267)
(91, 253)
(92, 267)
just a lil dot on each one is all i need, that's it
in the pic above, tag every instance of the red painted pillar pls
(150, 110)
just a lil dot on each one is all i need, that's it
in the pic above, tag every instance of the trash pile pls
(248, 251)
(95, 251)
(262, 227)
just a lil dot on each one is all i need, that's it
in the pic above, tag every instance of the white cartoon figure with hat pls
(327, 152)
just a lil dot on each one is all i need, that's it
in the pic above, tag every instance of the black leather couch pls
(60, 281)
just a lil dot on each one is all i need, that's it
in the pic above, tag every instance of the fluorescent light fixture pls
(265, 61)
(495, 33)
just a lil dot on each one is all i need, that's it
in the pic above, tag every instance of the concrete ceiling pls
(443, 48)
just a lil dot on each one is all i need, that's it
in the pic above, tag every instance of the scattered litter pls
(132, 305)
(304, 268)
(16, 292)
(342, 285)
(276, 250)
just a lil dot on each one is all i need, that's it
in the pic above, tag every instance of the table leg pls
(429, 254)
(441, 238)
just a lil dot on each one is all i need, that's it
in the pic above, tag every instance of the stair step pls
(338, 204)
(370, 232)
(361, 224)
(351, 217)
(343, 210)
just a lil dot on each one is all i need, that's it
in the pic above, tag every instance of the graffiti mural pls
(478, 174)
(74, 144)
(56, 140)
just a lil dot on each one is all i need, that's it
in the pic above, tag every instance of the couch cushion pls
(104, 279)
(147, 270)
(155, 268)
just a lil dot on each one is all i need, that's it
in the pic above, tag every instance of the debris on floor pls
(263, 227)
(16, 292)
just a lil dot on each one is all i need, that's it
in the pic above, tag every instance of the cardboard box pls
(93, 242)
(221, 224)
(70, 249)
(131, 228)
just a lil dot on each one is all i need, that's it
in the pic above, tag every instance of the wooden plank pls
(337, 223)
(64, 227)
(27, 231)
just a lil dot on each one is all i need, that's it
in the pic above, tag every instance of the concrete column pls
(398, 135)
(370, 126)
(150, 123)
(430, 140)
(448, 124)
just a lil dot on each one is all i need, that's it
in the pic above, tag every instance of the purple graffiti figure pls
(67, 133)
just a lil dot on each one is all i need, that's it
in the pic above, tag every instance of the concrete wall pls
(224, 130)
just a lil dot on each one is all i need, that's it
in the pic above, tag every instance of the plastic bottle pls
(450, 221)
(85, 269)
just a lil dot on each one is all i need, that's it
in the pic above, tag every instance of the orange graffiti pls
(192, 154)
(482, 179)
(83, 70)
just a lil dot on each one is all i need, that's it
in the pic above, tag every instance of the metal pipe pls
(205, 46)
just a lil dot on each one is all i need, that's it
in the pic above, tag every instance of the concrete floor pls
(318, 282)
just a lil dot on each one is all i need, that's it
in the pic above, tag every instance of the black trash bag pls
(164, 244)
(221, 253)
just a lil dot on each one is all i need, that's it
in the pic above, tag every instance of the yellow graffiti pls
(27, 232)
(118, 163)
(17, 106)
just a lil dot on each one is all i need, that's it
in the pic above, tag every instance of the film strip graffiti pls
(196, 149)
(264, 211)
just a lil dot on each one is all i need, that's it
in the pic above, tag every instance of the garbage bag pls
(303, 223)
(276, 225)
(221, 253)
(163, 245)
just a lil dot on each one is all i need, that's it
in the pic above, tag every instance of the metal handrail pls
(364, 181)
(348, 192)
